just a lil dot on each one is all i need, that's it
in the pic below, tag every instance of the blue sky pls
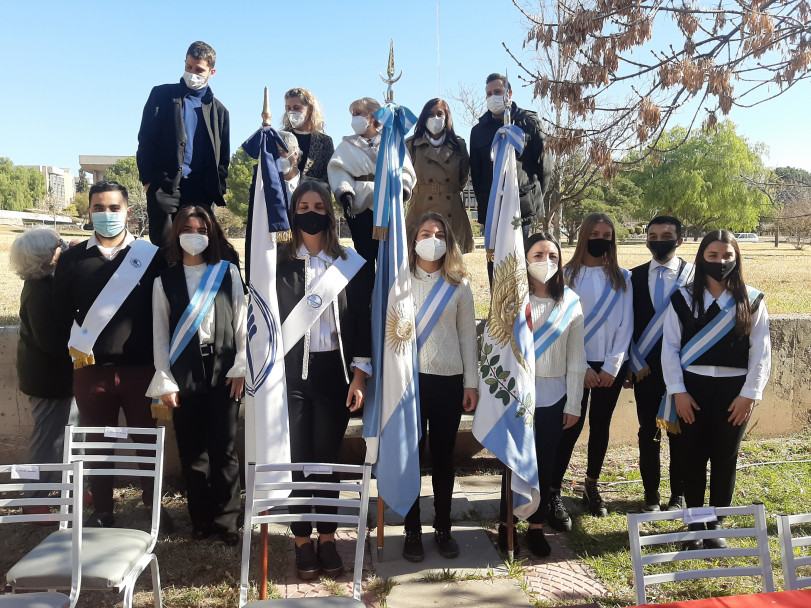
(76, 74)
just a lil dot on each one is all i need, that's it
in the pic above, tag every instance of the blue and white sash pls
(432, 308)
(545, 335)
(653, 332)
(707, 337)
(198, 307)
(597, 316)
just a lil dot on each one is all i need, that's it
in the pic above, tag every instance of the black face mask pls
(597, 248)
(312, 222)
(662, 250)
(719, 270)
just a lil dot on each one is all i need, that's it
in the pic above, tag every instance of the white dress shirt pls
(610, 342)
(669, 275)
(110, 252)
(760, 353)
(163, 381)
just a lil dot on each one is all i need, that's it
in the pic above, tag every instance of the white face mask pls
(495, 103)
(287, 163)
(193, 243)
(435, 125)
(359, 124)
(430, 249)
(296, 119)
(542, 271)
(194, 81)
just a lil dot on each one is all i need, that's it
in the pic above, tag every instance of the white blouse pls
(163, 382)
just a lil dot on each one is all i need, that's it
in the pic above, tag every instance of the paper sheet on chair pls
(699, 515)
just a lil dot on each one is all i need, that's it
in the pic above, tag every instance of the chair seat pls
(34, 600)
(332, 601)
(108, 554)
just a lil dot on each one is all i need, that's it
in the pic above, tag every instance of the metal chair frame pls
(788, 543)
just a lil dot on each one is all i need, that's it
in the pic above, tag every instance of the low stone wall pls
(786, 405)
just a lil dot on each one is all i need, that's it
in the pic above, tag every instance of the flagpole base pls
(380, 233)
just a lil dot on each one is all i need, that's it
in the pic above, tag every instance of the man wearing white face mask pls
(183, 144)
(112, 355)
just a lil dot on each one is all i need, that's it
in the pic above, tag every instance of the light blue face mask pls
(109, 223)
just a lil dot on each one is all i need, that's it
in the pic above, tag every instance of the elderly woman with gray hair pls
(290, 158)
(44, 368)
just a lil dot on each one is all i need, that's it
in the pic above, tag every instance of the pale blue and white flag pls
(391, 418)
(504, 417)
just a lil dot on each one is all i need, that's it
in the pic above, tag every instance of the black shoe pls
(537, 542)
(676, 503)
(692, 545)
(200, 532)
(100, 520)
(448, 547)
(652, 502)
(557, 516)
(715, 543)
(594, 502)
(412, 547)
(502, 540)
(306, 561)
(331, 563)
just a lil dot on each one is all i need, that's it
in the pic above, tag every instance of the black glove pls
(347, 199)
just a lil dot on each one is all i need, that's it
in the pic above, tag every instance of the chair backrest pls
(99, 448)
(263, 505)
(788, 543)
(26, 479)
(760, 550)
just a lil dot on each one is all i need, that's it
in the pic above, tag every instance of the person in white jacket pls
(351, 174)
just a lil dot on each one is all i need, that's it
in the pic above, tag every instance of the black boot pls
(676, 503)
(412, 547)
(594, 502)
(692, 545)
(448, 547)
(651, 502)
(306, 561)
(715, 543)
(557, 516)
(502, 539)
(537, 542)
(331, 563)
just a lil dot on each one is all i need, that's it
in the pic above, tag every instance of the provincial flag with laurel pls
(391, 418)
(504, 417)
(267, 439)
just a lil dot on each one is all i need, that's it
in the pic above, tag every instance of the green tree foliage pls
(240, 175)
(125, 172)
(82, 184)
(621, 199)
(707, 181)
(20, 187)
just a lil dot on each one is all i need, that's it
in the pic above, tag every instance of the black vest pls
(188, 370)
(644, 311)
(732, 350)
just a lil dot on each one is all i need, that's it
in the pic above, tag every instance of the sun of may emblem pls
(399, 329)
(509, 291)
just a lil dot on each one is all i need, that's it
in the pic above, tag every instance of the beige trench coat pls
(441, 177)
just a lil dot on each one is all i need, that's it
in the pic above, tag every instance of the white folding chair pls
(788, 543)
(760, 549)
(112, 558)
(260, 509)
(69, 502)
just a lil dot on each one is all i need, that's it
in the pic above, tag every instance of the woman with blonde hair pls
(351, 172)
(605, 296)
(448, 372)
(303, 117)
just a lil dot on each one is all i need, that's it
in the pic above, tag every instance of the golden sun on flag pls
(399, 329)
(510, 289)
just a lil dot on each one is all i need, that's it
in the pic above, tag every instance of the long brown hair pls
(453, 267)
(330, 244)
(610, 265)
(734, 283)
(211, 254)
(420, 129)
(555, 284)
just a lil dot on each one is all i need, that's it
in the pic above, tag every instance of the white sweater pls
(450, 348)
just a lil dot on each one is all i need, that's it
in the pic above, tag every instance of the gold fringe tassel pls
(380, 233)
(671, 427)
(491, 255)
(642, 374)
(81, 359)
(160, 411)
(283, 236)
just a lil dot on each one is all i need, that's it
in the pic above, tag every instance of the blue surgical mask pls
(109, 223)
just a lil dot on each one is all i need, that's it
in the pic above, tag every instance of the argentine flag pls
(267, 439)
(391, 419)
(503, 422)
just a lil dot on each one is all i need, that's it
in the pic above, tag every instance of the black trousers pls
(548, 430)
(711, 439)
(648, 394)
(161, 207)
(317, 417)
(603, 401)
(361, 227)
(206, 430)
(440, 413)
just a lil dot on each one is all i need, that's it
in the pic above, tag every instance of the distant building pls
(469, 200)
(59, 184)
(98, 165)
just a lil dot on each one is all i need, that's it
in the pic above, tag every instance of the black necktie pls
(713, 311)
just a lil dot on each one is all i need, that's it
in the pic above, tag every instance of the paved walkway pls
(560, 577)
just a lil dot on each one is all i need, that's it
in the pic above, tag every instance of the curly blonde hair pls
(316, 117)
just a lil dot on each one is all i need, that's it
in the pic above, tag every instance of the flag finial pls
(266, 115)
(390, 72)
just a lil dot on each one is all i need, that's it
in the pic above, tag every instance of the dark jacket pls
(533, 167)
(354, 312)
(44, 368)
(162, 140)
(314, 164)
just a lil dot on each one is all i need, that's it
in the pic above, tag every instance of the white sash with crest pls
(545, 335)
(653, 332)
(322, 293)
(109, 300)
(432, 308)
